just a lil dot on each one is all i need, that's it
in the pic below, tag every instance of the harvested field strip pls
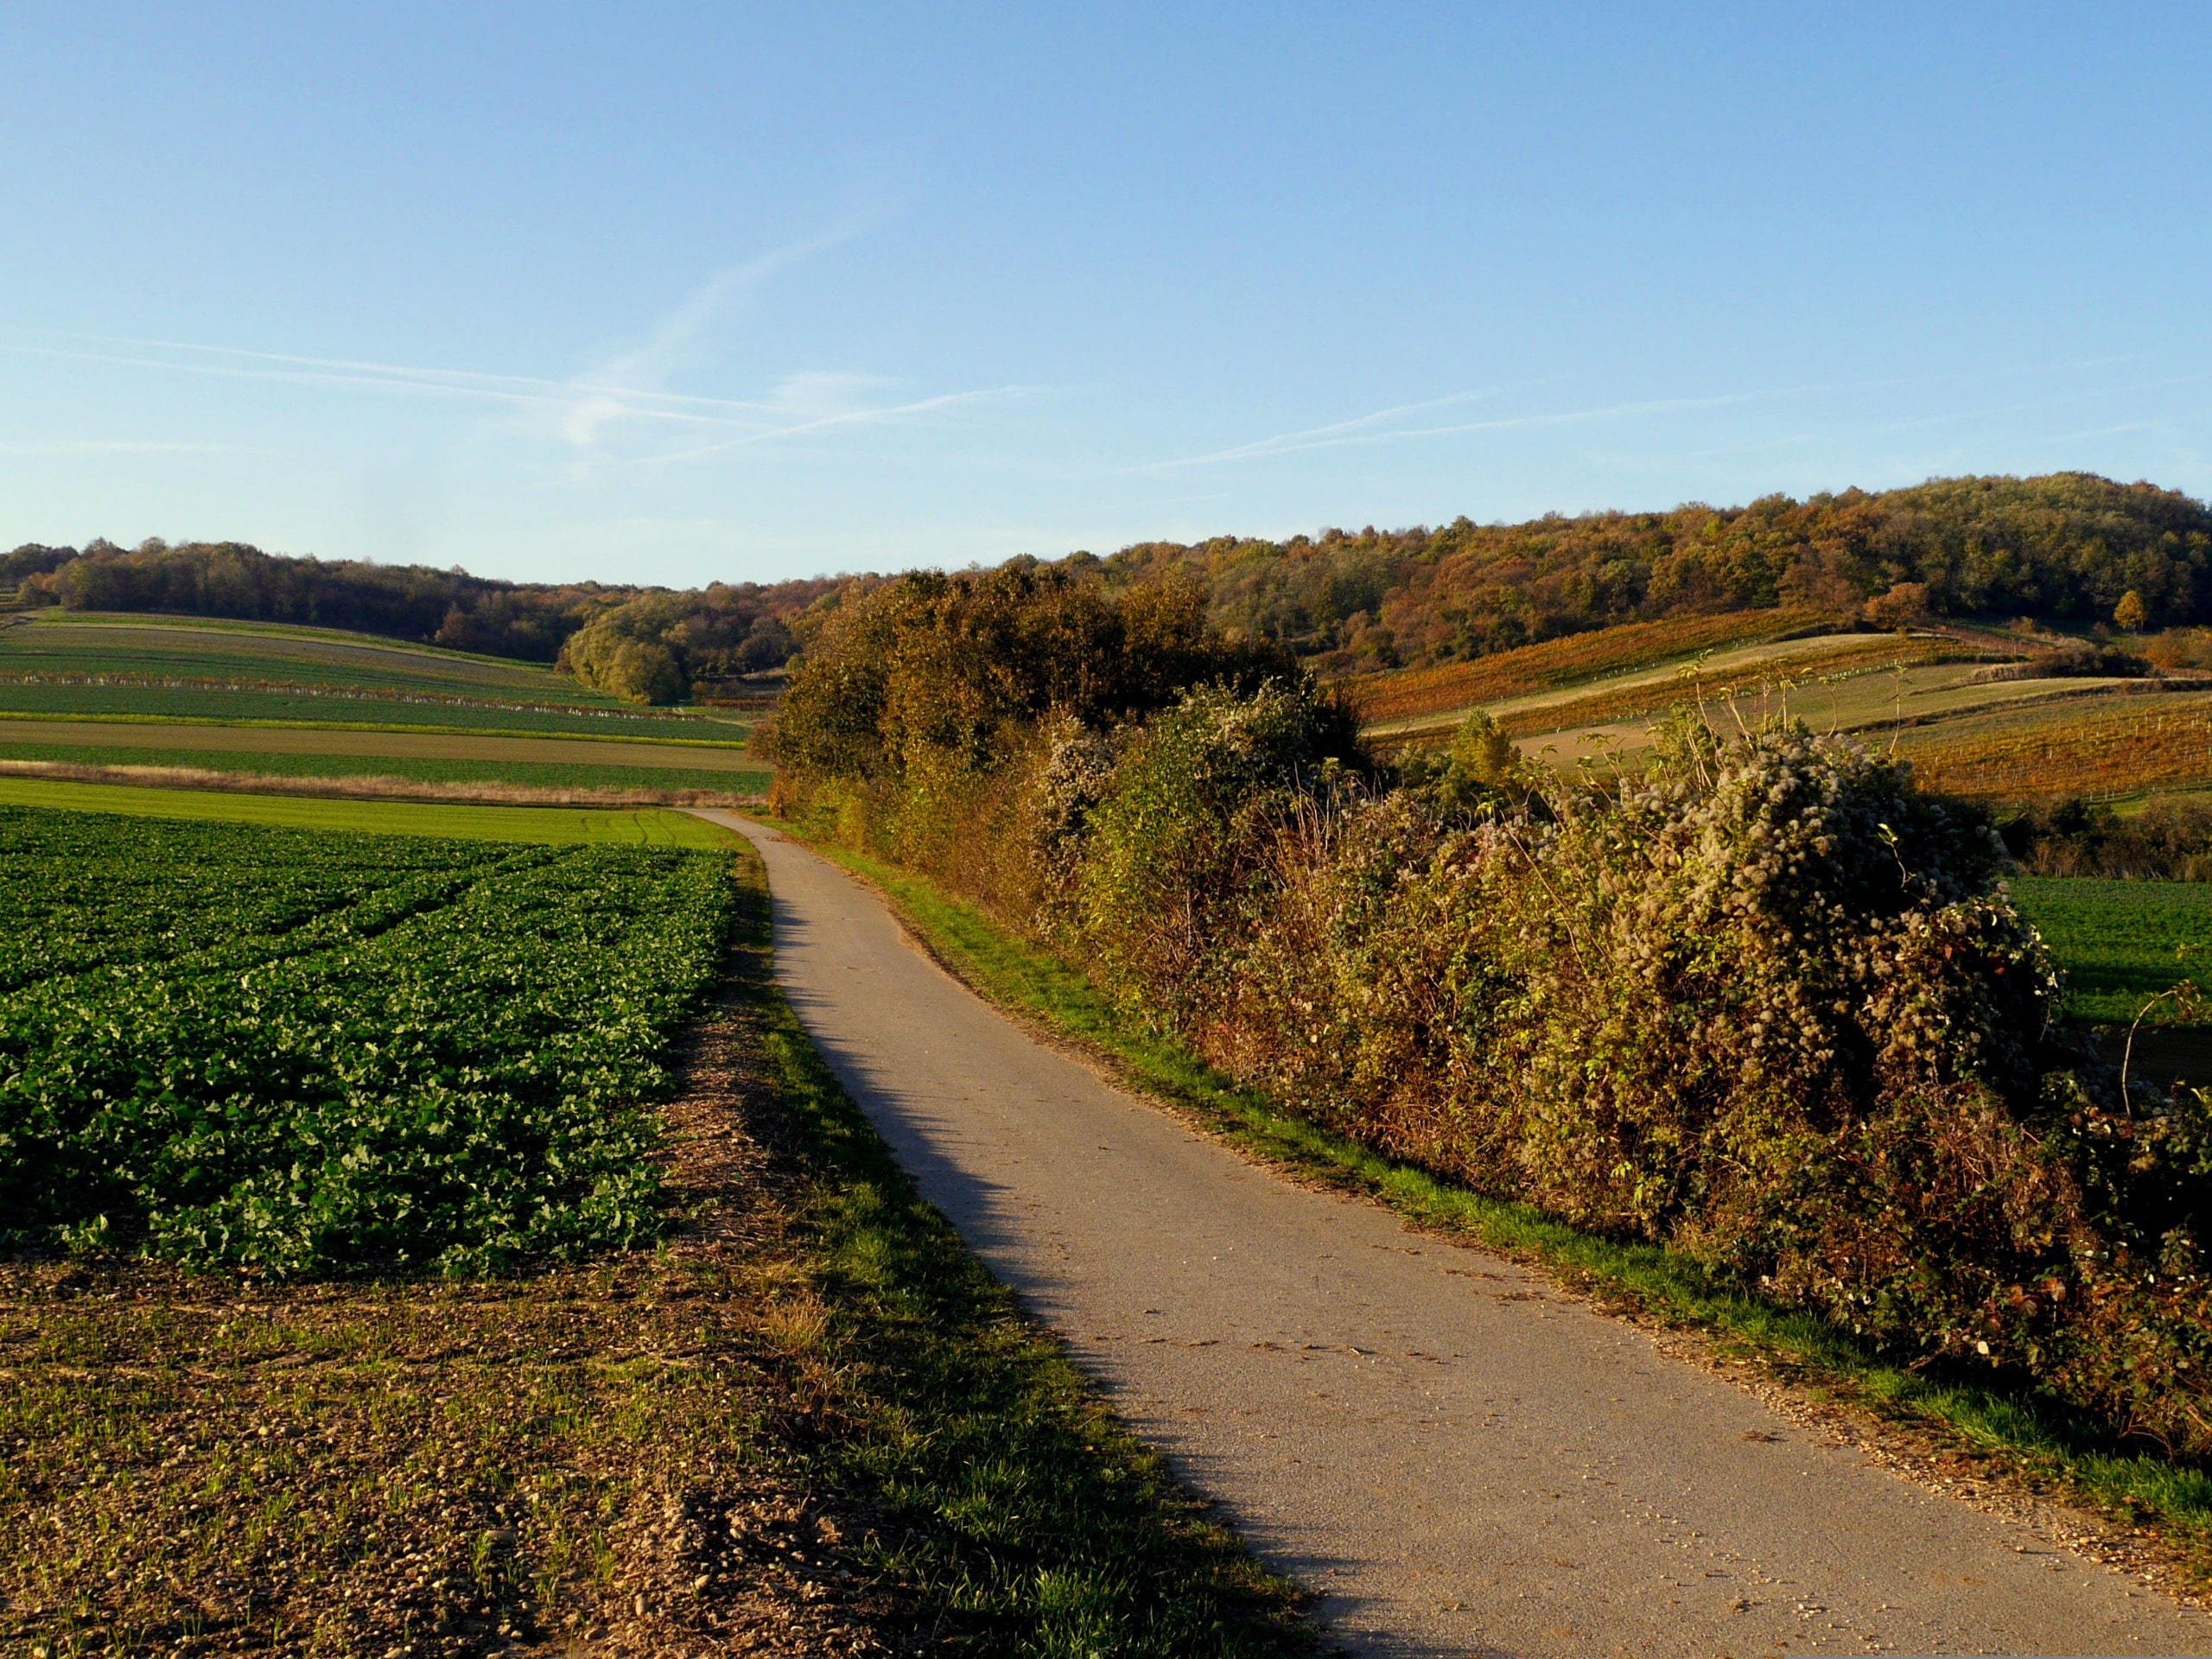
(809, 1425)
(548, 826)
(1407, 693)
(312, 633)
(159, 705)
(272, 737)
(2077, 752)
(397, 769)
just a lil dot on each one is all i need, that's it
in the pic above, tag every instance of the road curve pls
(1456, 1458)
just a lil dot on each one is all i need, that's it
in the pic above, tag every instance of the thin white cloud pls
(520, 391)
(1378, 427)
(614, 389)
(624, 387)
(1311, 436)
(876, 416)
(1344, 434)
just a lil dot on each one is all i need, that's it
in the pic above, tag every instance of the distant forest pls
(653, 644)
(2069, 547)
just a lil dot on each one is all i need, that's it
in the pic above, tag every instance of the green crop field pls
(299, 1052)
(413, 742)
(2122, 943)
(544, 825)
(412, 769)
(309, 707)
(57, 642)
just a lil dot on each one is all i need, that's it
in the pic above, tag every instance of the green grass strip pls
(2041, 1439)
(1032, 1522)
(548, 826)
(370, 726)
(421, 769)
(172, 622)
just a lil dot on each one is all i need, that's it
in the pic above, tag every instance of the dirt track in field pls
(1454, 1455)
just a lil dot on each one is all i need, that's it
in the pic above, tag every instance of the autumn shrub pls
(2171, 839)
(1766, 1003)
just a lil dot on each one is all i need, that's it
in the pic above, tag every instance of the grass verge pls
(809, 1423)
(2024, 1434)
(417, 769)
(543, 727)
(551, 826)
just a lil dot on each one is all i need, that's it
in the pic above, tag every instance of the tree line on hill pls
(2068, 547)
(647, 644)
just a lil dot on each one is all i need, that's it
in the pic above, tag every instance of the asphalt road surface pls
(1457, 1458)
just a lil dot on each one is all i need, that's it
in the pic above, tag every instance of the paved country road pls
(1457, 1458)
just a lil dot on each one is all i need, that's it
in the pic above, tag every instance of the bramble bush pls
(1766, 1003)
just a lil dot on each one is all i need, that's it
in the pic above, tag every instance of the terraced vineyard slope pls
(2003, 715)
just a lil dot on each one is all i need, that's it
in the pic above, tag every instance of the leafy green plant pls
(295, 1053)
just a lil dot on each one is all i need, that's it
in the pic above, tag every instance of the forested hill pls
(2069, 546)
(649, 643)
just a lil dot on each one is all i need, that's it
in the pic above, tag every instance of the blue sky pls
(677, 294)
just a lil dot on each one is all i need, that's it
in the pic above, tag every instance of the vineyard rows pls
(235, 1046)
(1408, 693)
(2048, 755)
(1856, 655)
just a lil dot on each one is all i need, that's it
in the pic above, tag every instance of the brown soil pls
(604, 1459)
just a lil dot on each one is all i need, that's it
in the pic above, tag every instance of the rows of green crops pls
(227, 1044)
(2122, 943)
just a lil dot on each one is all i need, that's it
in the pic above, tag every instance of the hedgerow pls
(1767, 1003)
(227, 1046)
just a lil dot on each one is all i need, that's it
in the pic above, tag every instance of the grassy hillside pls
(71, 643)
(245, 700)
